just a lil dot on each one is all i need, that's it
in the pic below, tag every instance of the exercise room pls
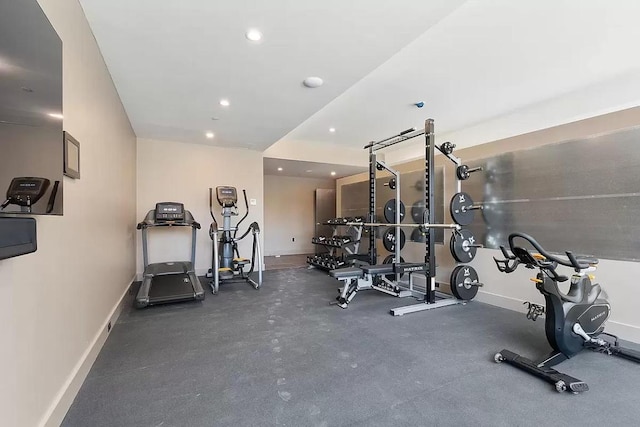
(296, 213)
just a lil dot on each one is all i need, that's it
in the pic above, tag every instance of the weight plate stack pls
(389, 239)
(464, 282)
(390, 211)
(463, 246)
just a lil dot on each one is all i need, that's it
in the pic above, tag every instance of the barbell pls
(424, 226)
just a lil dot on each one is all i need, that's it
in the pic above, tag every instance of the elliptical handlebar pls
(211, 207)
(246, 205)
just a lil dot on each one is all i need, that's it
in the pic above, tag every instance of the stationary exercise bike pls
(574, 321)
(227, 265)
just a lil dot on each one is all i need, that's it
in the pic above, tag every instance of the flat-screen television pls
(31, 138)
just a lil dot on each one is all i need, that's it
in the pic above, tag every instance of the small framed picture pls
(71, 156)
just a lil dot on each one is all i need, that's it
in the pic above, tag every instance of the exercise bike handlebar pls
(544, 260)
(571, 261)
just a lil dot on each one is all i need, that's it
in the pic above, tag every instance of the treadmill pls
(166, 282)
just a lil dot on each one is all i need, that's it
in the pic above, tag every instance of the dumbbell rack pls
(349, 248)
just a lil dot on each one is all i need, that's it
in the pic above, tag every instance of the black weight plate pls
(389, 260)
(389, 239)
(460, 248)
(462, 279)
(417, 213)
(418, 236)
(460, 202)
(390, 211)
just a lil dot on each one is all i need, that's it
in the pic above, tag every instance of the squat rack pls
(431, 298)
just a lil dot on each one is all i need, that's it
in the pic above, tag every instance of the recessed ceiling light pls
(280, 169)
(209, 135)
(253, 35)
(309, 170)
(332, 130)
(333, 173)
(312, 82)
(56, 115)
(224, 102)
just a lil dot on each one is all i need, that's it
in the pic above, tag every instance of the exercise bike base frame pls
(562, 382)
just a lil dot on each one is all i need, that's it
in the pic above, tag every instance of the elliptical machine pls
(227, 265)
(574, 321)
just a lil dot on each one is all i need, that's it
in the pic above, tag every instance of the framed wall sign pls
(71, 156)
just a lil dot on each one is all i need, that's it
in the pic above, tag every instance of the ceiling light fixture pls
(253, 35)
(309, 170)
(332, 130)
(224, 102)
(279, 169)
(209, 135)
(333, 173)
(312, 82)
(56, 115)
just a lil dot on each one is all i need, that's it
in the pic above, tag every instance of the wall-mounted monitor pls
(31, 141)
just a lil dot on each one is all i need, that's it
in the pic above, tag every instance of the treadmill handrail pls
(150, 221)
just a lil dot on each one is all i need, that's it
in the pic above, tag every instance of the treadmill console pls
(227, 196)
(169, 211)
(25, 191)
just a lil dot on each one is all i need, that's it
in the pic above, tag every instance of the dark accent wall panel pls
(580, 195)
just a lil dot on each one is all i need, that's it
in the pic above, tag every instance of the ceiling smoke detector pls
(312, 82)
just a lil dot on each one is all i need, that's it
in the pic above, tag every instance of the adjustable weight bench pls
(363, 277)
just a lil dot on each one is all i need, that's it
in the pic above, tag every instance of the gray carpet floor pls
(282, 356)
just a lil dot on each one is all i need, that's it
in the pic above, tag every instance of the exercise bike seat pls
(587, 260)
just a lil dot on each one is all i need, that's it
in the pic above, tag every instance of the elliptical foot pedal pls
(225, 273)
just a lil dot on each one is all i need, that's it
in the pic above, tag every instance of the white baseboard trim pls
(67, 393)
(623, 330)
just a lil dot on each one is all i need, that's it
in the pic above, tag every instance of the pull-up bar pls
(395, 139)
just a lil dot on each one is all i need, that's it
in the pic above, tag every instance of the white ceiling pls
(469, 61)
(486, 59)
(172, 61)
(309, 169)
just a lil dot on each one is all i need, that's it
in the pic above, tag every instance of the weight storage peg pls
(463, 246)
(464, 282)
(389, 239)
(391, 184)
(390, 211)
(463, 172)
(462, 208)
(447, 147)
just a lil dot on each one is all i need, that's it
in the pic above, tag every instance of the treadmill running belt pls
(170, 288)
